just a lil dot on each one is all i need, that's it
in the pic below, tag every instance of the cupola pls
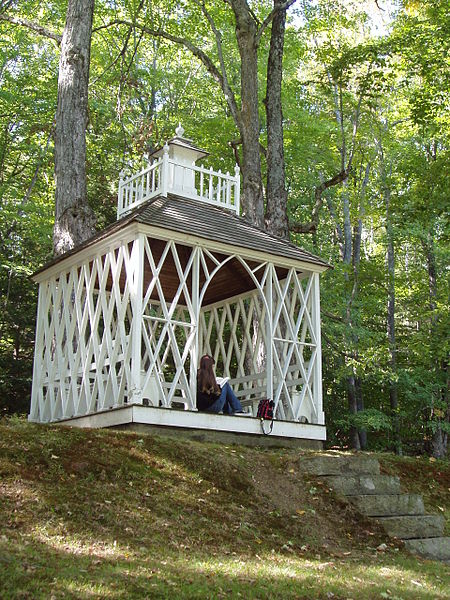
(172, 169)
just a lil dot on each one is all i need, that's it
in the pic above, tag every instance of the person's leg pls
(219, 404)
(231, 404)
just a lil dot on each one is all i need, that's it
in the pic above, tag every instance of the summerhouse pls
(124, 318)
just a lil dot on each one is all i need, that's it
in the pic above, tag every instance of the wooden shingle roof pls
(211, 223)
(199, 219)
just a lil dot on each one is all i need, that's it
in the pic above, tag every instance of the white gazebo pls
(124, 318)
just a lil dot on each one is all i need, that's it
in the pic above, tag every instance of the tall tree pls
(385, 171)
(74, 219)
(276, 208)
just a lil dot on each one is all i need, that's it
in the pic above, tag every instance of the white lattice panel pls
(83, 350)
(294, 346)
(169, 328)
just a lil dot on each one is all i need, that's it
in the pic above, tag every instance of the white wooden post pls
(137, 275)
(36, 391)
(315, 308)
(210, 189)
(195, 298)
(269, 333)
(165, 170)
(237, 190)
(120, 206)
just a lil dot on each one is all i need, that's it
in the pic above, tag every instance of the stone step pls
(338, 464)
(437, 548)
(386, 505)
(413, 526)
(357, 485)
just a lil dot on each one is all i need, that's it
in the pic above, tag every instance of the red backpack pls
(265, 413)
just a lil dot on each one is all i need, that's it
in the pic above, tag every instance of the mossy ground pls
(103, 514)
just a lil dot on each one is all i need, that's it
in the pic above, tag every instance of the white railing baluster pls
(165, 170)
(210, 193)
(221, 189)
(237, 189)
(228, 191)
(120, 203)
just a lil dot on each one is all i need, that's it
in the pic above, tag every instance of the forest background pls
(365, 105)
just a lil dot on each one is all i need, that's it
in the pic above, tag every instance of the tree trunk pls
(276, 195)
(353, 409)
(440, 436)
(74, 219)
(252, 187)
(347, 227)
(362, 433)
(393, 391)
(351, 255)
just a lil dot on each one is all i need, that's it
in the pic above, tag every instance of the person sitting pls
(211, 397)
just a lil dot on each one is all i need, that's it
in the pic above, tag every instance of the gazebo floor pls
(204, 426)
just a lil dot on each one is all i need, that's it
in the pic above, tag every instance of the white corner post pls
(237, 190)
(37, 396)
(269, 333)
(315, 308)
(165, 170)
(120, 201)
(137, 277)
(195, 319)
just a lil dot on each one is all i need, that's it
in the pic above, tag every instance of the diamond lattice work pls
(169, 328)
(294, 346)
(83, 337)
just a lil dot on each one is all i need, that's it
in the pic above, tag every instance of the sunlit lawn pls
(60, 568)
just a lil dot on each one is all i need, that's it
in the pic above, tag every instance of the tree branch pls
(120, 55)
(228, 92)
(330, 342)
(234, 144)
(197, 52)
(311, 227)
(268, 20)
(356, 116)
(32, 26)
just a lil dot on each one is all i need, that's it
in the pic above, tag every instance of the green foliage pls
(370, 419)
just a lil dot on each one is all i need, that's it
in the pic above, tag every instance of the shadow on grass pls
(41, 570)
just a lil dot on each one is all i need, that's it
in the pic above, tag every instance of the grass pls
(102, 514)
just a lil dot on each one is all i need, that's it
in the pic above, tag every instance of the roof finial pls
(179, 131)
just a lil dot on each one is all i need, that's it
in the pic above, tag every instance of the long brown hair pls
(206, 380)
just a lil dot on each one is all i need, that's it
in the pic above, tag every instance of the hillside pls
(103, 514)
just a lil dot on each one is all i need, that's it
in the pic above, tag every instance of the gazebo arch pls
(123, 319)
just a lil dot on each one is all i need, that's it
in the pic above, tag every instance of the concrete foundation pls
(223, 437)
(204, 427)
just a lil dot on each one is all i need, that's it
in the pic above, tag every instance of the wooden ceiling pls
(230, 280)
